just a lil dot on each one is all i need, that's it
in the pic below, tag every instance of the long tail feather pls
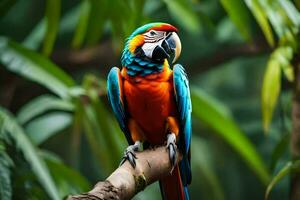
(172, 188)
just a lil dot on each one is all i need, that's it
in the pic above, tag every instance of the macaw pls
(152, 103)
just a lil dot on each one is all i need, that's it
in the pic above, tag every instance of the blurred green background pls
(57, 133)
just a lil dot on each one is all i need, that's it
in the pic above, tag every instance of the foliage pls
(5, 164)
(216, 116)
(284, 18)
(10, 127)
(67, 131)
(287, 169)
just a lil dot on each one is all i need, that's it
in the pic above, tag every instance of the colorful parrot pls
(152, 102)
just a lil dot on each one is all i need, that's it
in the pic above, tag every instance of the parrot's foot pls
(129, 153)
(171, 146)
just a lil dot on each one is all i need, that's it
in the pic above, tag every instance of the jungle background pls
(57, 132)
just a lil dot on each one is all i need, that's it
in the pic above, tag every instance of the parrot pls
(151, 101)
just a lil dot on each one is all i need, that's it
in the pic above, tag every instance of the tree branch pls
(295, 136)
(125, 182)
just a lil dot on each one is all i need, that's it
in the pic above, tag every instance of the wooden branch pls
(125, 182)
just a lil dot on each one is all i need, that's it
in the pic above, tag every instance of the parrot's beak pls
(175, 45)
(169, 49)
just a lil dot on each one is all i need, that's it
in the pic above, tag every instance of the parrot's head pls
(152, 43)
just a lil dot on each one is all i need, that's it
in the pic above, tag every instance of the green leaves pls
(41, 105)
(270, 91)
(67, 179)
(239, 15)
(34, 67)
(42, 128)
(98, 15)
(101, 133)
(93, 15)
(279, 149)
(291, 11)
(183, 13)
(5, 182)
(261, 18)
(285, 20)
(219, 119)
(293, 167)
(81, 29)
(5, 165)
(52, 21)
(282, 15)
(14, 131)
(279, 60)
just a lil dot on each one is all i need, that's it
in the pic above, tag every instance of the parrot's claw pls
(171, 146)
(130, 155)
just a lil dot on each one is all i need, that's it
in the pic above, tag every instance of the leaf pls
(270, 91)
(297, 3)
(69, 21)
(287, 169)
(97, 145)
(279, 16)
(100, 135)
(284, 55)
(52, 21)
(291, 11)
(239, 15)
(92, 85)
(76, 132)
(67, 179)
(81, 29)
(98, 15)
(41, 105)
(261, 18)
(5, 181)
(34, 39)
(42, 128)
(93, 14)
(273, 13)
(289, 72)
(34, 67)
(11, 128)
(218, 118)
(36, 36)
(279, 149)
(184, 14)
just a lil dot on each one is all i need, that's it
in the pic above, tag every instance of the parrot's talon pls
(171, 146)
(130, 155)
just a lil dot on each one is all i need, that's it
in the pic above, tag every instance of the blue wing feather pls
(183, 99)
(114, 95)
(184, 104)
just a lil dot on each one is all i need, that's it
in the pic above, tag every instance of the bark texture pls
(125, 182)
(295, 139)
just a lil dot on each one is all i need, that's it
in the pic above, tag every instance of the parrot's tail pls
(172, 187)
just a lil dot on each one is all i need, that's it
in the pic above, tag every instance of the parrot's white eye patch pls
(154, 36)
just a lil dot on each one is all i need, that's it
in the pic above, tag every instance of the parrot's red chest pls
(149, 102)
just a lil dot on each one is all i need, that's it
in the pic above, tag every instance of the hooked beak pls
(169, 49)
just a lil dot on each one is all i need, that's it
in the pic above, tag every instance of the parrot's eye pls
(152, 33)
